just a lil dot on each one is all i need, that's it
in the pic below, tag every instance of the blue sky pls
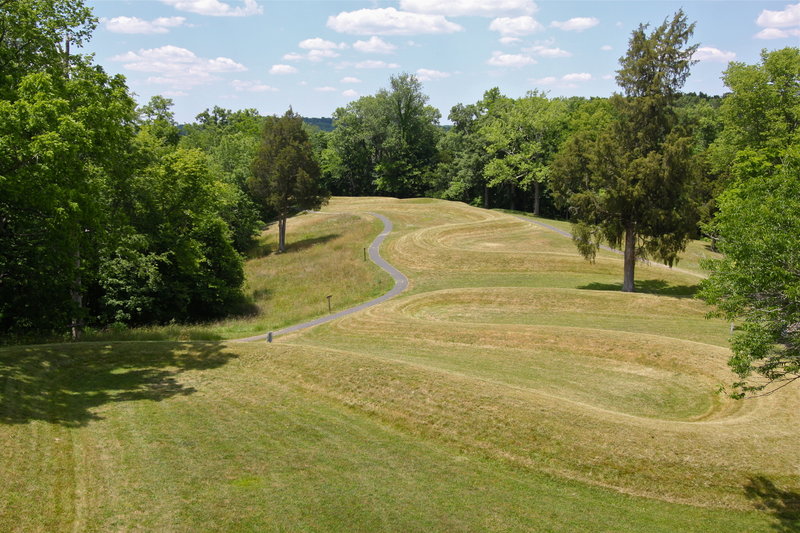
(319, 55)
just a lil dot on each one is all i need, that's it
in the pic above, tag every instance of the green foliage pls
(286, 177)
(522, 137)
(632, 185)
(63, 144)
(762, 112)
(34, 36)
(384, 143)
(176, 259)
(758, 282)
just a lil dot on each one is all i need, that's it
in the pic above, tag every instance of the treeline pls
(110, 213)
(497, 153)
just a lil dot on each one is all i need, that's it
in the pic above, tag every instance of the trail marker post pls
(329, 303)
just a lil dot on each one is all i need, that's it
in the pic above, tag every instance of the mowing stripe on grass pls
(400, 284)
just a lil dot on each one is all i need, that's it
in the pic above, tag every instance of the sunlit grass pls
(513, 387)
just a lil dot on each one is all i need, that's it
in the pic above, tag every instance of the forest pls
(112, 213)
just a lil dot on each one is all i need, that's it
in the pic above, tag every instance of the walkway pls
(400, 284)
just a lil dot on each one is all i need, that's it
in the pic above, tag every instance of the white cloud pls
(350, 79)
(775, 33)
(787, 18)
(174, 93)
(389, 21)
(544, 51)
(326, 89)
(426, 74)
(317, 43)
(350, 93)
(576, 24)
(319, 55)
(215, 8)
(707, 53)
(137, 25)
(500, 59)
(282, 69)
(565, 81)
(606, 48)
(371, 63)
(251, 86)
(458, 8)
(577, 76)
(176, 66)
(515, 26)
(608, 76)
(509, 40)
(293, 56)
(375, 45)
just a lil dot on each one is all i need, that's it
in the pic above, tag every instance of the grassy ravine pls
(511, 388)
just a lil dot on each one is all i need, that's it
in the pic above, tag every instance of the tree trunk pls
(282, 234)
(630, 258)
(486, 197)
(77, 299)
(513, 196)
(536, 195)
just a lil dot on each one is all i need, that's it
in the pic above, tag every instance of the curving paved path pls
(400, 284)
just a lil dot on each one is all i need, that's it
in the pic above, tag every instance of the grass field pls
(512, 387)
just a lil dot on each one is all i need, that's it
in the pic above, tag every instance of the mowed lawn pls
(512, 387)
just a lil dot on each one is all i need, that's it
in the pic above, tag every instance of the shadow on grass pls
(64, 384)
(784, 505)
(265, 249)
(304, 244)
(649, 286)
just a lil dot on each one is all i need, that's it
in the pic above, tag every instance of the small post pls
(365, 254)
(329, 303)
(269, 337)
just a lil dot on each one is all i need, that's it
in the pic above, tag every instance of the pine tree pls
(631, 185)
(286, 178)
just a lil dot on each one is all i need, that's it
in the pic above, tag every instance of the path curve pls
(400, 284)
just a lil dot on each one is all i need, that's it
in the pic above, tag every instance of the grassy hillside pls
(511, 388)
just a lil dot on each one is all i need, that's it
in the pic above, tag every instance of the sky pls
(316, 56)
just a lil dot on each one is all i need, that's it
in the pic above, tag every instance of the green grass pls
(513, 387)
(198, 436)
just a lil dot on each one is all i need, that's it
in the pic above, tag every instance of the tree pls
(286, 178)
(757, 282)
(409, 149)
(463, 152)
(173, 257)
(384, 143)
(632, 185)
(522, 140)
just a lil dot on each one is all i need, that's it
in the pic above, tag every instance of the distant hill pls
(323, 123)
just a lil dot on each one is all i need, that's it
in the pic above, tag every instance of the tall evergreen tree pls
(631, 186)
(286, 177)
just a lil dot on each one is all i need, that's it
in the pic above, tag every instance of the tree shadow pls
(264, 249)
(784, 505)
(65, 384)
(649, 286)
(304, 244)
